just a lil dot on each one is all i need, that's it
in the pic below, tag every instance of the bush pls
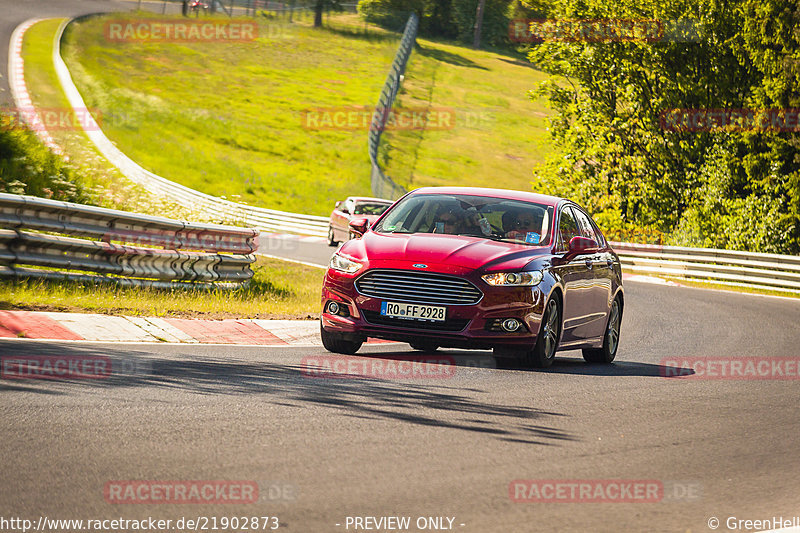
(28, 167)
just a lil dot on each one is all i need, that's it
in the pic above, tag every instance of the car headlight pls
(344, 264)
(514, 279)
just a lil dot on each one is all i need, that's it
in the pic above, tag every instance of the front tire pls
(331, 238)
(544, 351)
(608, 352)
(337, 343)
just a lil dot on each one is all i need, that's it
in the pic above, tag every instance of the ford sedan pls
(523, 274)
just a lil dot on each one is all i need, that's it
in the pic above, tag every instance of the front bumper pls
(466, 326)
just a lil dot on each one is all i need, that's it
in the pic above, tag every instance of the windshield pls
(477, 216)
(370, 208)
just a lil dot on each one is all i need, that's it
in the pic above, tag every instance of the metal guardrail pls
(725, 267)
(243, 214)
(120, 246)
(382, 185)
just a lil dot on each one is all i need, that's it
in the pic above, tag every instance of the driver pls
(446, 221)
(523, 223)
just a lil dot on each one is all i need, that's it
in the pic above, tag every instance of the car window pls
(567, 228)
(476, 216)
(370, 208)
(585, 225)
(601, 239)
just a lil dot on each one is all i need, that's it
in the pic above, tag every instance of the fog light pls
(333, 308)
(511, 324)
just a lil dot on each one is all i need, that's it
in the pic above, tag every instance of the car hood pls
(470, 253)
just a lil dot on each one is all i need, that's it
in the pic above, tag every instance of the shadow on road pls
(617, 368)
(430, 402)
(561, 365)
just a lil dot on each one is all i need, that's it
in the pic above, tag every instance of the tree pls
(620, 154)
(476, 43)
(320, 6)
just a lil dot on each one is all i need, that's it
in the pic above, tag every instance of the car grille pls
(418, 287)
(376, 318)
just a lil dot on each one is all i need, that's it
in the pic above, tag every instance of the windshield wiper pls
(499, 238)
(491, 236)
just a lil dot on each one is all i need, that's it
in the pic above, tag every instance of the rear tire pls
(544, 351)
(331, 241)
(608, 352)
(337, 343)
(424, 346)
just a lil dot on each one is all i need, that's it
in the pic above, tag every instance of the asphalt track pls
(446, 446)
(425, 446)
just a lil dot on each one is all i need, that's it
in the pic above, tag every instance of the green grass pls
(499, 133)
(278, 290)
(226, 118)
(102, 183)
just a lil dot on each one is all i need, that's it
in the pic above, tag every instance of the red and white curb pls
(19, 90)
(106, 328)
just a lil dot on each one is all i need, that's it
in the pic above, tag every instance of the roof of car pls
(497, 193)
(368, 199)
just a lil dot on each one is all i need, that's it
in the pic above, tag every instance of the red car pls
(520, 273)
(345, 211)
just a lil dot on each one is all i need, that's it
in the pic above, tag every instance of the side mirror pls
(359, 226)
(582, 245)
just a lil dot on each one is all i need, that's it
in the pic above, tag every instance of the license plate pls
(415, 311)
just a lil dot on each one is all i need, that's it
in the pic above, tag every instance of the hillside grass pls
(101, 182)
(500, 134)
(226, 117)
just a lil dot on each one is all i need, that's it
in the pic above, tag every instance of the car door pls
(576, 278)
(599, 276)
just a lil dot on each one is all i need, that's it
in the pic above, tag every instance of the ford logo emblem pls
(420, 265)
